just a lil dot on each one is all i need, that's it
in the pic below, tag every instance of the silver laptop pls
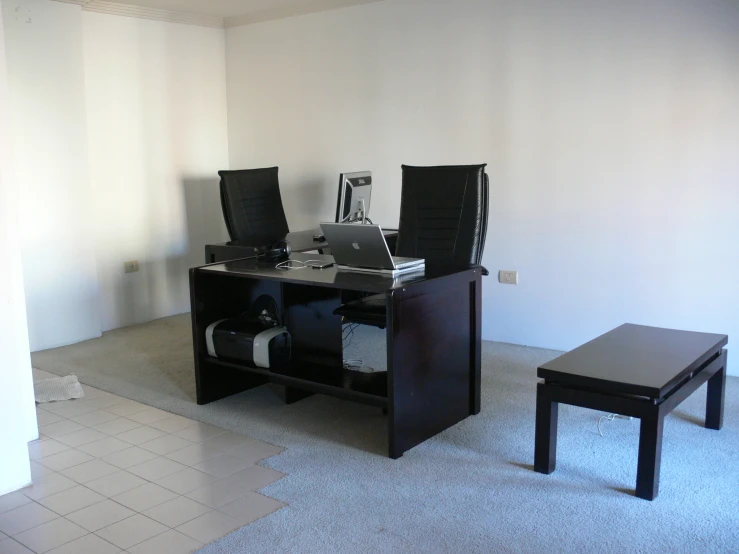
(363, 248)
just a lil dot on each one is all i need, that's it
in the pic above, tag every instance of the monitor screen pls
(355, 192)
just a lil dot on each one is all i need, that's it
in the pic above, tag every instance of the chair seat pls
(370, 310)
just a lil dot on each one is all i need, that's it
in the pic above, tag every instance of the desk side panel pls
(214, 297)
(432, 359)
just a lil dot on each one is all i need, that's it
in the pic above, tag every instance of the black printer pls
(255, 338)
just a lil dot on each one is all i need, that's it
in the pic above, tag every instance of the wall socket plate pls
(131, 267)
(508, 277)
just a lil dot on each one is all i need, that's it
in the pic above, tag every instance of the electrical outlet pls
(508, 277)
(131, 267)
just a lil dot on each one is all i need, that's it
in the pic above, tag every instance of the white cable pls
(285, 266)
(611, 417)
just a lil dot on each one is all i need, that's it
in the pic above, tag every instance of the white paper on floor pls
(58, 388)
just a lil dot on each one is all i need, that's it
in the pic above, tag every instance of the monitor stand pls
(362, 218)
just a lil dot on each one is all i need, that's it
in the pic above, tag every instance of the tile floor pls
(114, 476)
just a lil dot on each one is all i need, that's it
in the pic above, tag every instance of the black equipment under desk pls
(433, 340)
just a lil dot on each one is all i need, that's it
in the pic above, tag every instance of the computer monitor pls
(355, 191)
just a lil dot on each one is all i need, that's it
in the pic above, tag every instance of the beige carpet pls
(155, 357)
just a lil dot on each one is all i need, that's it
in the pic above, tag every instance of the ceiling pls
(231, 12)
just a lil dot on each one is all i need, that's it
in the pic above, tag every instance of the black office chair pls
(443, 219)
(252, 206)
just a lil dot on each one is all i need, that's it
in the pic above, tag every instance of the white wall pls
(120, 128)
(610, 128)
(16, 394)
(47, 85)
(156, 112)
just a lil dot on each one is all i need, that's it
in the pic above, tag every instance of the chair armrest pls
(485, 272)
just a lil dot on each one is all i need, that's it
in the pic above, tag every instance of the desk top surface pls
(330, 277)
(300, 241)
(635, 359)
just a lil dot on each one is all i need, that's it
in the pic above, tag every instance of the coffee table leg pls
(715, 398)
(650, 455)
(545, 447)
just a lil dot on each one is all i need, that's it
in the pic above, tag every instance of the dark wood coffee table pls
(637, 371)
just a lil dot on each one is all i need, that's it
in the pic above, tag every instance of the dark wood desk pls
(433, 340)
(636, 371)
(301, 241)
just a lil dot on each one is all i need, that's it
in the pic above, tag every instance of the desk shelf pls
(319, 379)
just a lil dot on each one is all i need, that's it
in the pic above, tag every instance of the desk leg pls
(213, 298)
(715, 398)
(315, 331)
(432, 357)
(545, 444)
(476, 346)
(650, 455)
(214, 382)
(291, 395)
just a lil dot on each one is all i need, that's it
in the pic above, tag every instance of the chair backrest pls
(444, 214)
(252, 205)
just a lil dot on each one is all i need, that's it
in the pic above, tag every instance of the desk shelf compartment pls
(316, 356)
(313, 378)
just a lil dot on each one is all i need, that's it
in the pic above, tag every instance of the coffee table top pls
(635, 359)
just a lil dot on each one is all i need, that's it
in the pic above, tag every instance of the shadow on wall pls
(204, 217)
(162, 287)
(306, 203)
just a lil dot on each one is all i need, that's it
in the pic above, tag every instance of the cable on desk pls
(287, 264)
